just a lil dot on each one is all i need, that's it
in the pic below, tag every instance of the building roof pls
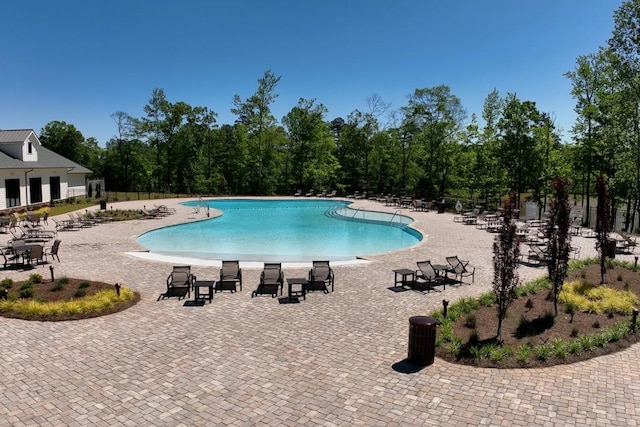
(46, 158)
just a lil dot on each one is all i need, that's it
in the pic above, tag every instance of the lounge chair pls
(310, 193)
(320, 277)
(461, 269)
(230, 276)
(53, 250)
(323, 193)
(147, 214)
(427, 276)
(271, 280)
(538, 255)
(332, 193)
(74, 222)
(298, 193)
(179, 282)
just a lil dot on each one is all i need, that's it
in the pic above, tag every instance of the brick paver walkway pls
(330, 360)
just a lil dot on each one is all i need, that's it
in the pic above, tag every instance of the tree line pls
(427, 148)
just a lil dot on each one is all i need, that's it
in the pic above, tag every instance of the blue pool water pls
(283, 230)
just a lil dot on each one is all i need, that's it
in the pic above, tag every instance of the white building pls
(31, 174)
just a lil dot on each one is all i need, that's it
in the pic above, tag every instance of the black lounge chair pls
(271, 280)
(427, 276)
(230, 276)
(460, 269)
(179, 282)
(321, 277)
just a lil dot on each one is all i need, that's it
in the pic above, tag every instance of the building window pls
(30, 147)
(54, 187)
(35, 190)
(12, 187)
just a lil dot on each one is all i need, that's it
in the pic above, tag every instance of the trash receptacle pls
(422, 340)
(103, 204)
(610, 249)
(441, 206)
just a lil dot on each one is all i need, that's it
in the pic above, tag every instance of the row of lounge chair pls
(311, 193)
(157, 212)
(428, 275)
(181, 280)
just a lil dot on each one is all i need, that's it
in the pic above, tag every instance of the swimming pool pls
(283, 230)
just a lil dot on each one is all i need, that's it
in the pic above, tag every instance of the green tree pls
(255, 114)
(433, 118)
(311, 147)
(519, 151)
(64, 139)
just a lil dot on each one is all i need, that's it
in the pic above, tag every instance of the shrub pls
(559, 348)
(80, 293)
(26, 285)
(542, 351)
(6, 283)
(597, 298)
(488, 299)
(523, 353)
(57, 287)
(63, 280)
(586, 342)
(83, 285)
(26, 292)
(470, 321)
(573, 346)
(35, 278)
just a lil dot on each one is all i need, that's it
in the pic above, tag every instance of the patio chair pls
(271, 280)
(230, 276)
(53, 250)
(461, 269)
(427, 276)
(36, 255)
(320, 277)
(9, 257)
(179, 282)
(538, 255)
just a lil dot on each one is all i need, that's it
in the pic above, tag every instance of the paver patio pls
(329, 360)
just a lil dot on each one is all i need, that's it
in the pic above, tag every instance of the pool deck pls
(334, 359)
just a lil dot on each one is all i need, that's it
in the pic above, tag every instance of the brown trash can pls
(422, 340)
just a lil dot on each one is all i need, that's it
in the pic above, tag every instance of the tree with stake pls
(559, 239)
(603, 223)
(506, 251)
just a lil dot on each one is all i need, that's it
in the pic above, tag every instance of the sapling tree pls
(603, 223)
(506, 251)
(559, 239)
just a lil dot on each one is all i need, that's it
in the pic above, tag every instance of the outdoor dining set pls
(30, 243)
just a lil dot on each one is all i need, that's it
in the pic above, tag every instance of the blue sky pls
(80, 61)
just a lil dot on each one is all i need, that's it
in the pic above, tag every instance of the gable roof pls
(46, 158)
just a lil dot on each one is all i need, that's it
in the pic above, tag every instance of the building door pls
(12, 187)
(54, 187)
(35, 190)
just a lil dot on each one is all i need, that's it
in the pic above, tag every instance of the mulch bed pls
(45, 292)
(542, 328)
